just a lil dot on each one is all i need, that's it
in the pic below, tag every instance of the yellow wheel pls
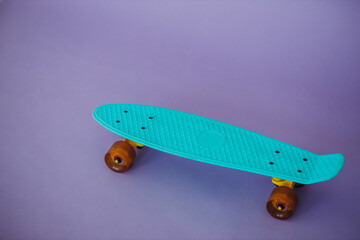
(120, 156)
(282, 202)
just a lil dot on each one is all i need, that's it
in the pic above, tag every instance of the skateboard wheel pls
(120, 156)
(282, 202)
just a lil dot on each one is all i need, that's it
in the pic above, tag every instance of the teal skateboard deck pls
(213, 142)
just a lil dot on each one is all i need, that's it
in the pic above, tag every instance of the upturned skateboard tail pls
(331, 163)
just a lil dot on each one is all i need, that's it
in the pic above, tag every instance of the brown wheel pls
(120, 156)
(282, 202)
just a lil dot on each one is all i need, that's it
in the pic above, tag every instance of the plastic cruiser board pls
(213, 142)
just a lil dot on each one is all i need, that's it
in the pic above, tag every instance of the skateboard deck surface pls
(210, 141)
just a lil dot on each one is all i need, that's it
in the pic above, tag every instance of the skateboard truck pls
(280, 182)
(134, 144)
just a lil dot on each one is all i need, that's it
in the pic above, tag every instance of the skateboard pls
(209, 141)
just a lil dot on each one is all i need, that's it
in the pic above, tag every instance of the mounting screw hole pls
(305, 159)
(142, 127)
(299, 171)
(150, 117)
(277, 151)
(117, 121)
(271, 163)
(125, 111)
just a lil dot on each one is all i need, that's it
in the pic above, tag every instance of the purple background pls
(285, 69)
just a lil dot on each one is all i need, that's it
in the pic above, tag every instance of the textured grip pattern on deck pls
(215, 142)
